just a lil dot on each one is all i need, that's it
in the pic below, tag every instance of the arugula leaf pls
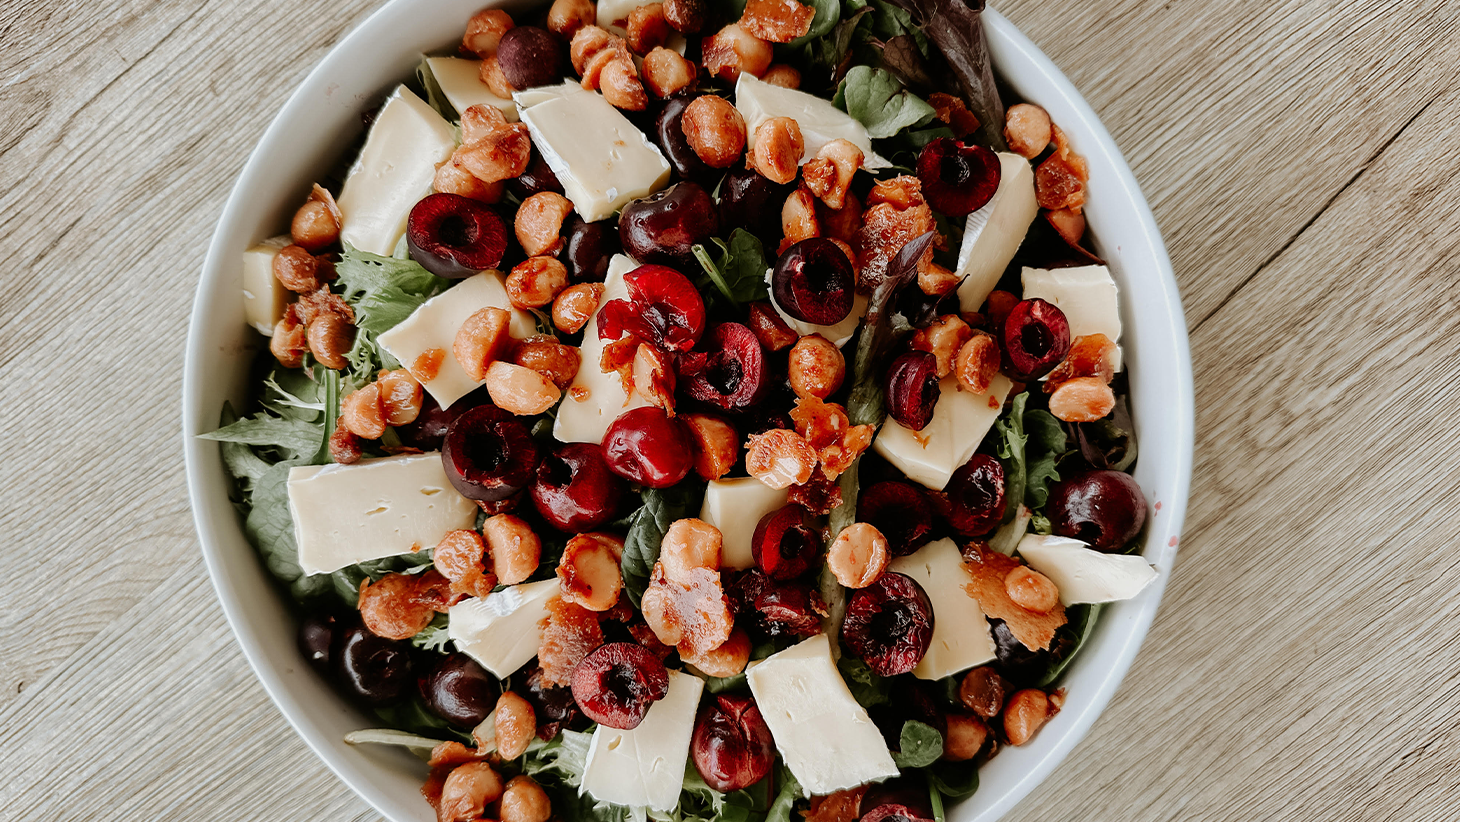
(866, 686)
(739, 272)
(296, 439)
(650, 523)
(384, 290)
(1047, 444)
(878, 100)
(1081, 624)
(1011, 448)
(919, 746)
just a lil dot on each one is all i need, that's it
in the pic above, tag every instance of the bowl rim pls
(1007, 43)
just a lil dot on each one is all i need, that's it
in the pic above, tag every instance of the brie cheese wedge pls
(264, 297)
(736, 507)
(644, 767)
(820, 121)
(502, 631)
(993, 233)
(1083, 574)
(1086, 294)
(595, 399)
(960, 421)
(961, 634)
(460, 80)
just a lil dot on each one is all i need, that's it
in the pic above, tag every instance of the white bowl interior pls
(308, 137)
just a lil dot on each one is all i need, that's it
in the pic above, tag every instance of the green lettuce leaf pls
(878, 100)
(780, 810)
(1081, 625)
(1047, 443)
(561, 759)
(738, 271)
(296, 439)
(919, 746)
(646, 532)
(953, 779)
(384, 290)
(1012, 440)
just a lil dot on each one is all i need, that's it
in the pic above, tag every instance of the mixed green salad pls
(695, 410)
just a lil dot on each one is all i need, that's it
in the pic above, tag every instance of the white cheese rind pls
(348, 514)
(264, 297)
(838, 333)
(736, 506)
(824, 736)
(595, 399)
(993, 233)
(460, 80)
(961, 634)
(644, 767)
(602, 159)
(435, 323)
(1086, 294)
(820, 121)
(960, 421)
(1083, 574)
(503, 631)
(394, 171)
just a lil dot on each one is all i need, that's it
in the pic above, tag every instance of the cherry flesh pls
(889, 624)
(616, 684)
(1036, 338)
(665, 226)
(459, 691)
(489, 454)
(785, 545)
(732, 374)
(649, 447)
(958, 179)
(663, 307)
(732, 746)
(589, 247)
(1103, 508)
(912, 389)
(574, 490)
(814, 282)
(455, 236)
(976, 496)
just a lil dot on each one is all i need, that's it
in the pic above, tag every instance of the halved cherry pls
(663, 307)
(1036, 338)
(889, 624)
(976, 496)
(733, 372)
(958, 179)
(785, 545)
(814, 282)
(489, 454)
(912, 389)
(901, 511)
(615, 685)
(454, 236)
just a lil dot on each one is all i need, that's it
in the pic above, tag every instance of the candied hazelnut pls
(646, 28)
(566, 17)
(858, 555)
(575, 305)
(715, 130)
(780, 74)
(539, 223)
(829, 175)
(716, 445)
(589, 572)
(777, 149)
(1025, 714)
(519, 390)
(666, 71)
(536, 282)
(484, 31)
(690, 543)
(733, 50)
(515, 548)
(943, 339)
(1027, 129)
(770, 328)
(481, 340)
(550, 358)
(816, 367)
(780, 458)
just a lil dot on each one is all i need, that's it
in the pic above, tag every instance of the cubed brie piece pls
(460, 80)
(1084, 574)
(993, 233)
(264, 297)
(961, 634)
(735, 506)
(1086, 294)
(602, 159)
(348, 514)
(824, 736)
(595, 399)
(644, 767)
(960, 421)
(503, 631)
(394, 171)
(839, 333)
(434, 326)
(819, 120)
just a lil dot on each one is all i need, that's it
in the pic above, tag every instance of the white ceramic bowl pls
(318, 123)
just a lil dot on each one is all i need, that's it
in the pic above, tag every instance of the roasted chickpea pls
(515, 548)
(481, 340)
(777, 149)
(535, 282)
(690, 543)
(666, 71)
(733, 50)
(715, 130)
(566, 17)
(484, 31)
(716, 445)
(575, 306)
(550, 358)
(540, 222)
(816, 367)
(859, 555)
(525, 801)
(519, 390)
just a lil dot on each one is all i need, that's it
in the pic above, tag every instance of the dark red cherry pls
(900, 799)
(455, 236)
(371, 668)
(663, 307)
(889, 624)
(1022, 667)
(912, 389)
(538, 177)
(732, 746)
(530, 57)
(749, 200)
(589, 248)
(733, 372)
(616, 684)
(553, 704)
(1036, 338)
(789, 608)
(574, 489)
(316, 638)
(649, 447)
(786, 544)
(428, 431)
(901, 511)
(664, 227)
(957, 179)
(459, 690)
(814, 282)
(1103, 508)
(669, 135)
(489, 454)
(976, 496)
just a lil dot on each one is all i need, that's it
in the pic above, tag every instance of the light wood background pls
(1301, 158)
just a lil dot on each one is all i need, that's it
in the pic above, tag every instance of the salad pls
(695, 410)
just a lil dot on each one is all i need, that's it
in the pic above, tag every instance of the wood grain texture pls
(1300, 159)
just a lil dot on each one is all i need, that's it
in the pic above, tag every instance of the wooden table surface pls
(1301, 158)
